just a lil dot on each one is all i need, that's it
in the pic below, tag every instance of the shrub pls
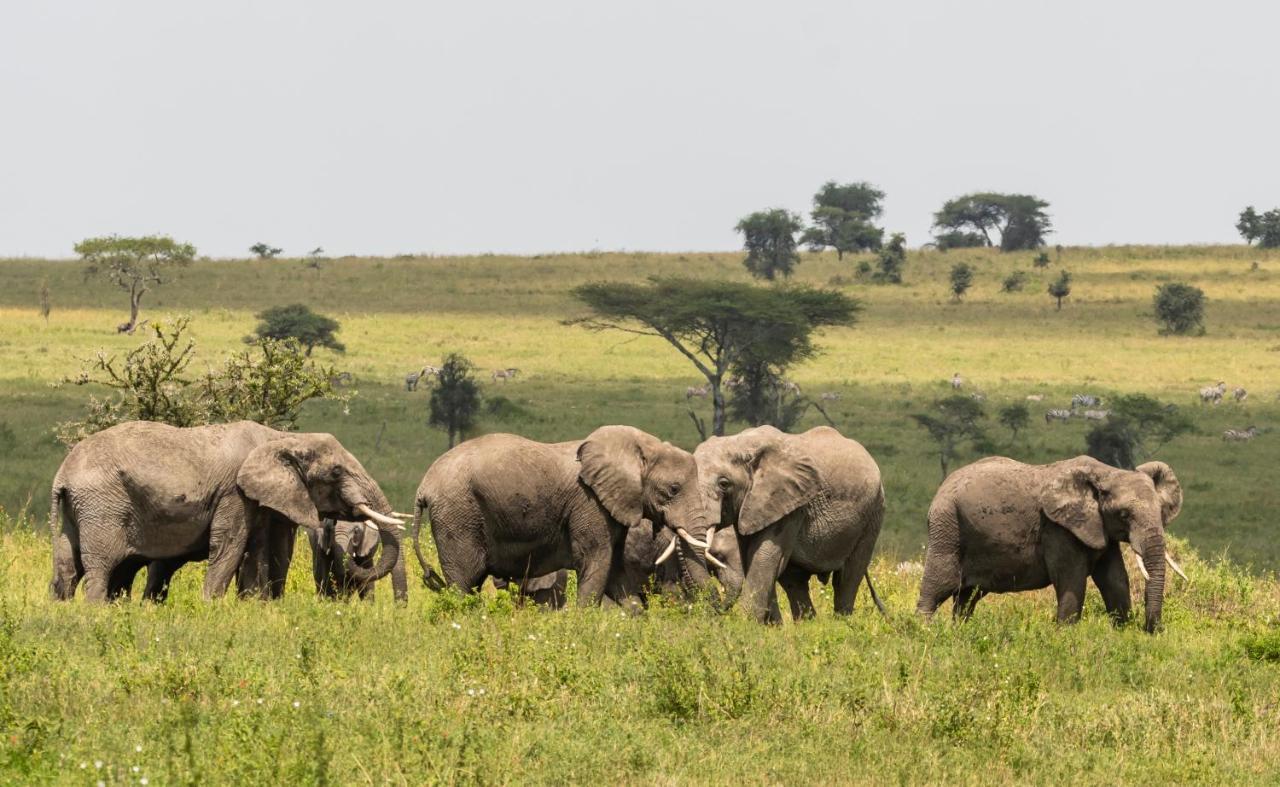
(1013, 282)
(961, 279)
(1042, 259)
(1180, 308)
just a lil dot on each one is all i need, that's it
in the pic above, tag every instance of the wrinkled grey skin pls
(338, 545)
(998, 526)
(507, 507)
(147, 493)
(791, 507)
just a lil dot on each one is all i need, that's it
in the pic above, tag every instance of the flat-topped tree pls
(134, 264)
(1020, 219)
(842, 218)
(715, 324)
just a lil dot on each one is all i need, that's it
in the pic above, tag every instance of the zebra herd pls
(732, 383)
(1213, 394)
(428, 373)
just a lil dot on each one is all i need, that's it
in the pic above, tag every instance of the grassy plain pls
(389, 694)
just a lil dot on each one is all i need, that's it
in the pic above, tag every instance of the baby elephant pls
(998, 526)
(335, 544)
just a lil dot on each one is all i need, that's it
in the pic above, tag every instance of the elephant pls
(334, 544)
(1000, 526)
(547, 590)
(145, 493)
(789, 507)
(508, 507)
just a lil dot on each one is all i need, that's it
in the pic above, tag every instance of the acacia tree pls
(718, 325)
(297, 321)
(265, 251)
(1060, 287)
(1020, 220)
(1015, 418)
(955, 420)
(134, 264)
(1262, 227)
(1137, 427)
(842, 218)
(455, 399)
(769, 238)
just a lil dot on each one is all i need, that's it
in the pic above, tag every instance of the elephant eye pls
(724, 484)
(673, 490)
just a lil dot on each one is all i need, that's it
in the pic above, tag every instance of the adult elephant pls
(511, 508)
(144, 492)
(999, 526)
(338, 545)
(791, 507)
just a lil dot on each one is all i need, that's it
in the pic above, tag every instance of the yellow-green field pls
(383, 693)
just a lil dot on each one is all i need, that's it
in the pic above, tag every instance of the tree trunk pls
(717, 408)
(135, 306)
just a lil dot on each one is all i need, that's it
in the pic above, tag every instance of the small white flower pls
(136, 769)
(297, 704)
(259, 700)
(84, 765)
(138, 748)
(484, 617)
(471, 692)
(481, 692)
(157, 639)
(102, 784)
(143, 780)
(456, 626)
(235, 702)
(338, 613)
(97, 764)
(617, 636)
(533, 637)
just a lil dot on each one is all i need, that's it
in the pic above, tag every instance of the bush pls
(1042, 259)
(1060, 287)
(1180, 309)
(297, 321)
(892, 259)
(961, 279)
(1013, 282)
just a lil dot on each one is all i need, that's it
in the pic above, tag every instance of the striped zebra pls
(508, 373)
(830, 396)
(957, 382)
(1056, 414)
(1085, 400)
(1096, 415)
(700, 391)
(1212, 394)
(1240, 394)
(1240, 435)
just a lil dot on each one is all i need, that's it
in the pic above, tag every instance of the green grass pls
(677, 695)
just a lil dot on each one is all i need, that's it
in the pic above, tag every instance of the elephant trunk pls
(1152, 548)
(388, 535)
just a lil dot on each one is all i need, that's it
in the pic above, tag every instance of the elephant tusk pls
(1142, 567)
(713, 560)
(666, 553)
(1173, 564)
(402, 516)
(381, 519)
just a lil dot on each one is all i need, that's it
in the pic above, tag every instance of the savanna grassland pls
(476, 690)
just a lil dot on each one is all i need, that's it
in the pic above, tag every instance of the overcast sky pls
(537, 126)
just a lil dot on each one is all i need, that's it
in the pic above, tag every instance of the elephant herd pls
(627, 512)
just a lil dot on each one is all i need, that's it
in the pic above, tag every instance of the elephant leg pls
(464, 559)
(399, 579)
(228, 539)
(281, 538)
(1068, 568)
(942, 573)
(965, 601)
(796, 584)
(773, 616)
(102, 551)
(67, 568)
(593, 566)
(120, 583)
(1112, 579)
(765, 557)
(846, 581)
(159, 575)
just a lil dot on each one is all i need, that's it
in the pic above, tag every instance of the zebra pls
(1240, 435)
(1240, 394)
(957, 382)
(830, 396)
(789, 387)
(1096, 415)
(505, 374)
(1056, 414)
(411, 381)
(426, 374)
(1035, 397)
(1213, 393)
(1085, 400)
(699, 391)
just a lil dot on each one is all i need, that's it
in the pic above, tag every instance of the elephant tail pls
(875, 596)
(430, 578)
(64, 533)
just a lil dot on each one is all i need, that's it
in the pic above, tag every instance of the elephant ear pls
(612, 463)
(1070, 500)
(546, 582)
(1167, 488)
(270, 476)
(782, 480)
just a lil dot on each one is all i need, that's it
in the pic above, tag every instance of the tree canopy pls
(1262, 227)
(1020, 220)
(297, 321)
(134, 265)
(455, 399)
(769, 238)
(717, 325)
(842, 218)
(1137, 427)
(890, 261)
(1060, 287)
(1180, 308)
(954, 420)
(265, 251)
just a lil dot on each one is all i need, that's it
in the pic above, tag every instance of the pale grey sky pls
(536, 126)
